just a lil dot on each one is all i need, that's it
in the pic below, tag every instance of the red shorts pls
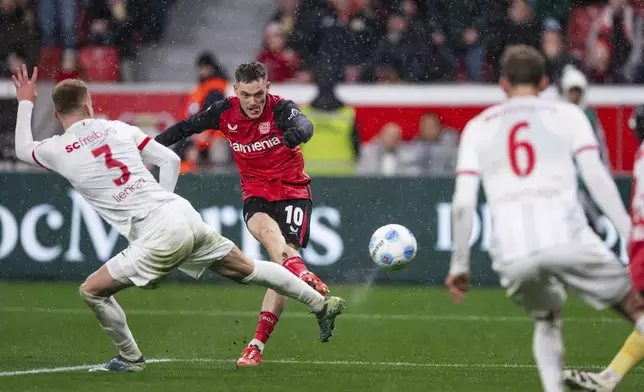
(637, 271)
(277, 190)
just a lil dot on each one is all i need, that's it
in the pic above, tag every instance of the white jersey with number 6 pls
(102, 161)
(524, 150)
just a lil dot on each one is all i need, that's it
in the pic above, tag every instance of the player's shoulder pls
(225, 104)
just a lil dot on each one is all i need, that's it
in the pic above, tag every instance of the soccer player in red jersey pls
(264, 132)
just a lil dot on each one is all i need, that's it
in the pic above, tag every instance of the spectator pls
(280, 61)
(323, 39)
(57, 16)
(468, 25)
(18, 42)
(286, 14)
(573, 87)
(409, 55)
(554, 50)
(367, 27)
(519, 27)
(387, 154)
(334, 148)
(108, 25)
(382, 156)
(190, 161)
(615, 43)
(393, 56)
(212, 88)
(436, 148)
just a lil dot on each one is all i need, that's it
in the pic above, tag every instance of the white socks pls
(258, 343)
(112, 318)
(548, 350)
(278, 278)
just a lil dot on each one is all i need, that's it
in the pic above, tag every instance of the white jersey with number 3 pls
(101, 159)
(523, 150)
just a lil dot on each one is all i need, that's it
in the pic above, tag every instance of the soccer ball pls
(392, 247)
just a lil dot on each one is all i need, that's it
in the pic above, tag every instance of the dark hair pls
(69, 96)
(209, 59)
(250, 71)
(522, 64)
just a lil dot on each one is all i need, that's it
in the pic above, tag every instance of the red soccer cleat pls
(312, 280)
(250, 357)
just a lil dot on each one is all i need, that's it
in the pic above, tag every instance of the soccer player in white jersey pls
(104, 161)
(524, 152)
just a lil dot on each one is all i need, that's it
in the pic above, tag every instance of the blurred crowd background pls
(368, 41)
(326, 42)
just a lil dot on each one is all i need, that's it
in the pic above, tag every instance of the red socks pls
(267, 320)
(295, 265)
(265, 325)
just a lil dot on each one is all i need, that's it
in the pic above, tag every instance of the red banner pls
(154, 111)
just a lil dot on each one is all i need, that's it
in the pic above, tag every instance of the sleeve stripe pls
(586, 148)
(33, 155)
(144, 143)
(467, 173)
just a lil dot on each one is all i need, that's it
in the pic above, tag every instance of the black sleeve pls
(287, 115)
(207, 119)
(212, 98)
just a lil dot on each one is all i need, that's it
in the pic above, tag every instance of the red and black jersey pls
(268, 169)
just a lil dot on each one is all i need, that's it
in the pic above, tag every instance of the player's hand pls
(458, 286)
(292, 137)
(25, 87)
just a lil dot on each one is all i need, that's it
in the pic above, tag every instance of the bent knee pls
(87, 288)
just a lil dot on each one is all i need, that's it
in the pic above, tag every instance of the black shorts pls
(292, 216)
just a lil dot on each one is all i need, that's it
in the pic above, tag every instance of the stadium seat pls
(100, 63)
(49, 62)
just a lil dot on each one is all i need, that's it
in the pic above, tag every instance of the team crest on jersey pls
(264, 127)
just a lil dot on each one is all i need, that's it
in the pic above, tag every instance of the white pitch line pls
(299, 315)
(65, 369)
(299, 362)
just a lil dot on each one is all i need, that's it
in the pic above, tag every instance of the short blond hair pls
(69, 96)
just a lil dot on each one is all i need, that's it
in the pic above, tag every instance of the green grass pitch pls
(391, 338)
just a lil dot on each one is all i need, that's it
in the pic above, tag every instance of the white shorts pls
(174, 238)
(539, 282)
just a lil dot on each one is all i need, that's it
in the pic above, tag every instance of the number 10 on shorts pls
(294, 215)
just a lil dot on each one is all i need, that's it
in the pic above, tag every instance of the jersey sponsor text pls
(255, 147)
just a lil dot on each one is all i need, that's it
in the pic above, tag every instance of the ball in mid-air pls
(393, 247)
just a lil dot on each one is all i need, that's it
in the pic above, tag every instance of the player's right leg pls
(219, 254)
(240, 268)
(98, 293)
(542, 296)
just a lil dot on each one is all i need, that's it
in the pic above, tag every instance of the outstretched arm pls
(25, 145)
(207, 119)
(297, 128)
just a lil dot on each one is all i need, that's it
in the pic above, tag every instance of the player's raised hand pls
(25, 86)
(458, 286)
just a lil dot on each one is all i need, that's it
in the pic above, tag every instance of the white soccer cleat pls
(586, 381)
